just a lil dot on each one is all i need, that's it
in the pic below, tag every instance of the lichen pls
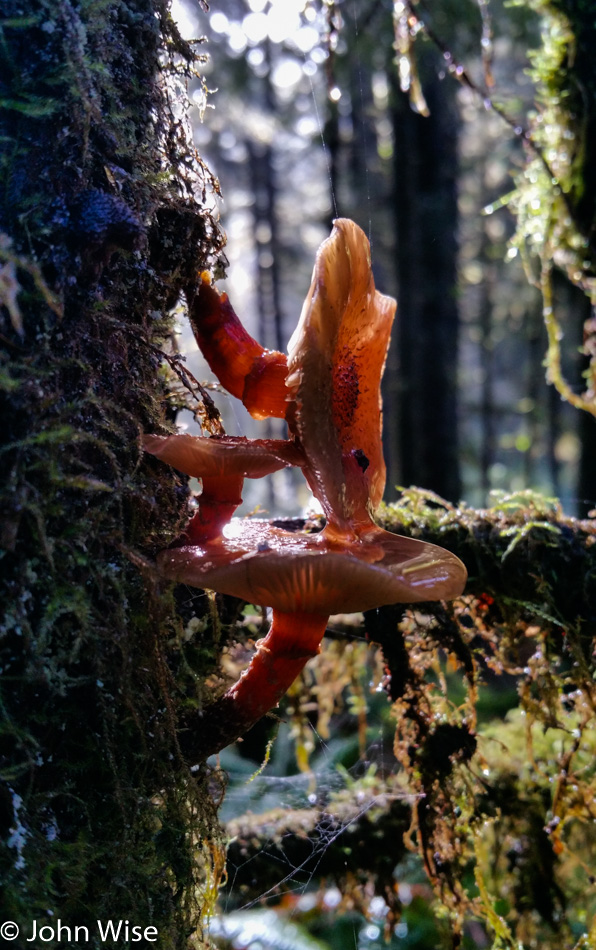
(555, 201)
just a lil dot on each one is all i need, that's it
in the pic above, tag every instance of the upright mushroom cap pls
(336, 358)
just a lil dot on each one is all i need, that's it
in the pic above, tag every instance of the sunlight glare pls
(332, 897)
(286, 73)
(255, 25)
(307, 127)
(186, 22)
(218, 22)
(233, 530)
(256, 57)
(282, 22)
(237, 38)
(284, 19)
(305, 38)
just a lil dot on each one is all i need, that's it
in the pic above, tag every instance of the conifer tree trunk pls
(425, 207)
(101, 816)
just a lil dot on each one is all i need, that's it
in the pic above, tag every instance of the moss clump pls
(555, 202)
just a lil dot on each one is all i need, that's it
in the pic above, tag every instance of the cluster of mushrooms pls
(327, 389)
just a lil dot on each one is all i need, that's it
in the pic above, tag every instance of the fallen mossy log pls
(523, 550)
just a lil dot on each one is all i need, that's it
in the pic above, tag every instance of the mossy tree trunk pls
(102, 817)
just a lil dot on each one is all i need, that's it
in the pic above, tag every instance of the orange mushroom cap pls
(223, 455)
(295, 572)
(336, 359)
(222, 463)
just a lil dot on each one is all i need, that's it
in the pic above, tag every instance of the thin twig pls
(210, 415)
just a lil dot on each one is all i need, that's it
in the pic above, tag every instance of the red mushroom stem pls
(246, 369)
(281, 656)
(220, 497)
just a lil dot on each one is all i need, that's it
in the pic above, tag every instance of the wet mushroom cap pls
(223, 455)
(336, 358)
(295, 572)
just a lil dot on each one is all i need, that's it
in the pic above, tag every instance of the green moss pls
(100, 815)
(555, 202)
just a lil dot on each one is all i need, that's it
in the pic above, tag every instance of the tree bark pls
(425, 205)
(99, 811)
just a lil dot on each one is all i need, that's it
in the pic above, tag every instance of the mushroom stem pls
(219, 499)
(292, 640)
(245, 368)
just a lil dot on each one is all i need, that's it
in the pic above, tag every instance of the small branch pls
(209, 415)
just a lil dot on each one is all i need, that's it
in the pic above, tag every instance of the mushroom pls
(221, 462)
(330, 396)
